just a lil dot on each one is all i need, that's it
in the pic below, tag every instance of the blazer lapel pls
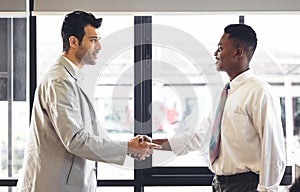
(72, 72)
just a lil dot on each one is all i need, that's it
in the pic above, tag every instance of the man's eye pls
(95, 40)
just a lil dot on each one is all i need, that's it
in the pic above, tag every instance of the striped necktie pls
(216, 129)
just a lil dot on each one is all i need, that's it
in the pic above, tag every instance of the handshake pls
(141, 146)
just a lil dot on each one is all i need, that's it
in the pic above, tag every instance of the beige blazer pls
(62, 146)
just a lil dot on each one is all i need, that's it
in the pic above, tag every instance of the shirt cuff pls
(261, 188)
(177, 145)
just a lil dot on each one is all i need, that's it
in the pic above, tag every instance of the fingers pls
(141, 157)
(146, 138)
(141, 147)
(154, 146)
(137, 157)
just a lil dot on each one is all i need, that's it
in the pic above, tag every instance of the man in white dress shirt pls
(252, 151)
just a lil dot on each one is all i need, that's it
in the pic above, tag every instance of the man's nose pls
(216, 53)
(98, 46)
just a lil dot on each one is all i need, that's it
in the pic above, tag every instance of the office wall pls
(9, 6)
(41, 6)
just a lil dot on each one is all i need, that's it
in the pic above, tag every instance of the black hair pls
(73, 25)
(243, 36)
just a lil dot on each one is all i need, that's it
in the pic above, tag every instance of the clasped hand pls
(141, 146)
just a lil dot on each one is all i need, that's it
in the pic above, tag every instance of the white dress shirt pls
(251, 133)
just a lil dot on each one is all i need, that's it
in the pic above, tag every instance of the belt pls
(237, 177)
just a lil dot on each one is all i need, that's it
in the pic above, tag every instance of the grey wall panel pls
(12, 5)
(165, 5)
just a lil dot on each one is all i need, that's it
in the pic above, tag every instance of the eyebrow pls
(94, 37)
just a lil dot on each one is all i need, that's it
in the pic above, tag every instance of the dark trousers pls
(242, 182)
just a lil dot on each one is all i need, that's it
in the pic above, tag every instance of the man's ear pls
(239, 52)
(73, 41)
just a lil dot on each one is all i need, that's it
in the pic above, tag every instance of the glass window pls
(113, 90)
(14, 104)
(296, 107)
(8, 189)
(296, 134)
(277, 61)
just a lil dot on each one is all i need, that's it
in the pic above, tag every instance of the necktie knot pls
(227, 86)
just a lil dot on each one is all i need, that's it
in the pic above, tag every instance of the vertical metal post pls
(242, 19)
(32, 55)
(142, 89)
(10, 64)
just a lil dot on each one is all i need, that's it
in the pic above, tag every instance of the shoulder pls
(262, 90)
(57, 73)
(57, 79)
(257, 83)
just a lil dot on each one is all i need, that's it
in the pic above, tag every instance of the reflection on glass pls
(113, 89)
(114, 96)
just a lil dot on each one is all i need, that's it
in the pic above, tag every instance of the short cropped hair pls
(73, 25)
(243, 36)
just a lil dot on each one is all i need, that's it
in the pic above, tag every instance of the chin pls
(91, 62)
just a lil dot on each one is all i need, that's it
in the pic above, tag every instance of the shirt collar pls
(240, 79)
(72, 64)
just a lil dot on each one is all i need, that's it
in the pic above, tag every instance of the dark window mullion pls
(241, 19)
(32, 56)
(142, 89)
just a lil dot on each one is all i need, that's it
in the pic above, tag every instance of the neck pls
(73, 59)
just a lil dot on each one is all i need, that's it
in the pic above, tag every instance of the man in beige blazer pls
(64, 141)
